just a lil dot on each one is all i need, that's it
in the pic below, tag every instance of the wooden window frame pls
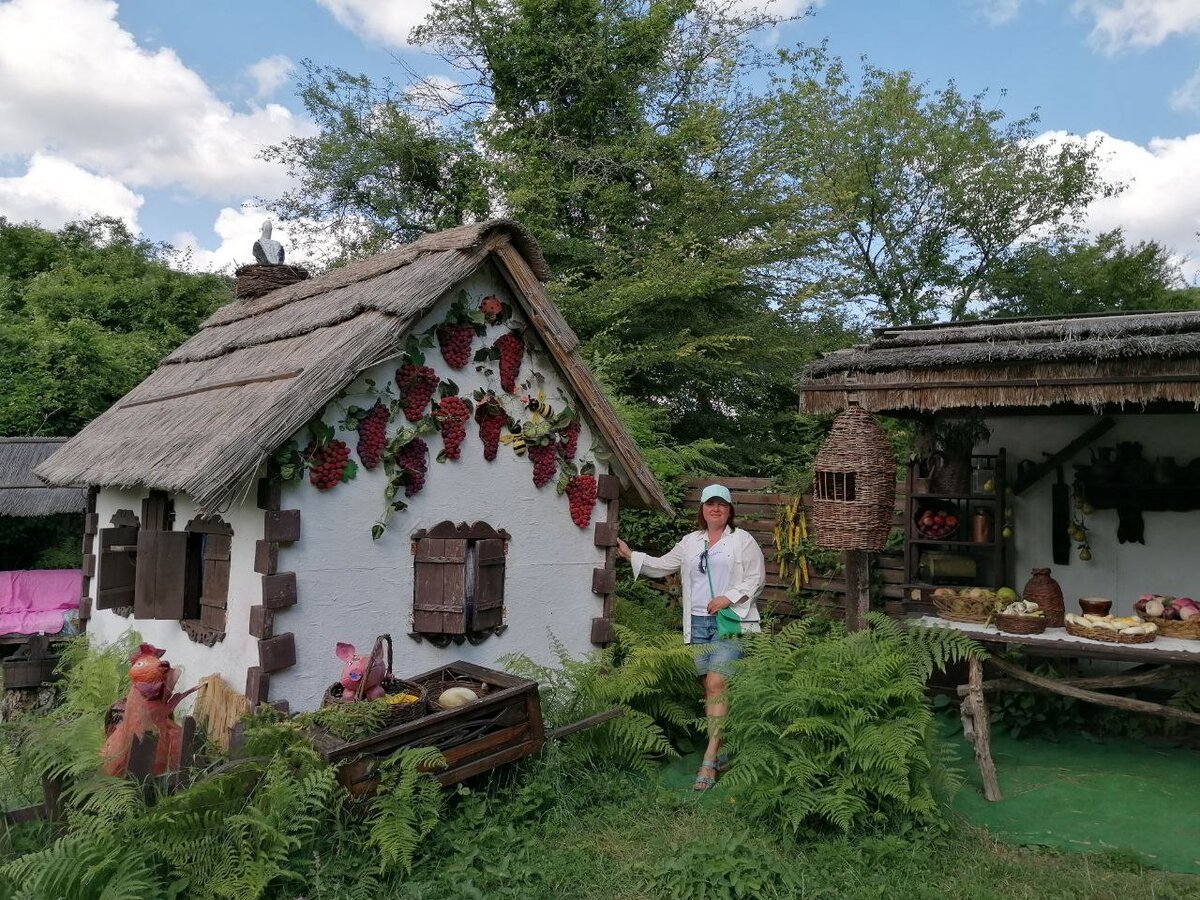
(458, 583)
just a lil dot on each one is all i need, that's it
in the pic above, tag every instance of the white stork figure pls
(267, 251)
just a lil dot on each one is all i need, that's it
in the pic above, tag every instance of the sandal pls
(704, 782)
(723, 763)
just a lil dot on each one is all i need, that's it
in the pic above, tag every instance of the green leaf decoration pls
(350, 471)
(377, 531)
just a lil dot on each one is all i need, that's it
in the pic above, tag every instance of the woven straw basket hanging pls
(854, 485)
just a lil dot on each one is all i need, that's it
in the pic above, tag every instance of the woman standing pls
(721, 568)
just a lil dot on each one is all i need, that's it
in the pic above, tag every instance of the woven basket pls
(981, 616)
(1109, 637)
(1020, 624)
(1045, 592)
(397, 712)
(257, 279)
(854, 485)
(436, 688)
(1172, 628)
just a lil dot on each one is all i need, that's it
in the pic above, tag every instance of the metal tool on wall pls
(1060, 521)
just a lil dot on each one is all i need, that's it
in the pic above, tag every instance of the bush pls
(835, 731)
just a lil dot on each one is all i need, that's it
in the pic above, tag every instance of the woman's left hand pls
(718, 603)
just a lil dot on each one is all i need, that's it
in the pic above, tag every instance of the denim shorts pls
(715, 654)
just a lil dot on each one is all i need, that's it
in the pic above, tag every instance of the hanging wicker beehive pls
(854, 485)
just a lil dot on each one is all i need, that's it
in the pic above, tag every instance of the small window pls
(458, 583)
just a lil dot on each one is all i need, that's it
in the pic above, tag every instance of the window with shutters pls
(458, 583)
(117, 563)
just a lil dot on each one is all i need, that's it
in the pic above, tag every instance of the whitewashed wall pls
(351, 588)
(229, 658)
(1167, 563)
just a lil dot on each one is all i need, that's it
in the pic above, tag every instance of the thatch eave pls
(21, 492)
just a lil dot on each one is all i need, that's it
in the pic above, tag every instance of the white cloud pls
(1137, 24)
(1186, 97)
(269, 74)
(997, 12)
(53, 192)
(1161, 201)
(382, 21)
(237, 230)
(75, 84)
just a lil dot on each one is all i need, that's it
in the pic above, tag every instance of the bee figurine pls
(538, 406)
(514, 438)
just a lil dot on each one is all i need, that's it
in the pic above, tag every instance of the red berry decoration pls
(491, 307)
(326, 463)
(452, 414)
(455, 344)
(511, 349)
(416, 384)
(581, 492)
(413, 459)
(491, 418)
(372, 435)
(545, 463)
(569, 440)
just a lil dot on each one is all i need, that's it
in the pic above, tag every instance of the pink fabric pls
(34, 600)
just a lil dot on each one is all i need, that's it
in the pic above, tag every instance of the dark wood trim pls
(91, 520)
(266, 557)
(204, 633)
(277, 653)
(604, 581)
(476, 531)
(279, 590)
(125, 518)
(214, 386)
(258, 686)
(281, 525)
(602, 631)
(89, 566)
(270, 493)
(608, 487)
(991, 384)
(209, 525)
(1040, 470)
(606, 534)
(262, 622)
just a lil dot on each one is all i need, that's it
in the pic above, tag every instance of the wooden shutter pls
(489, 584)
(440, 586)
(118, 564)
(159, 588)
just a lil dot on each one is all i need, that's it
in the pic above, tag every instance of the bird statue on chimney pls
(266, 251)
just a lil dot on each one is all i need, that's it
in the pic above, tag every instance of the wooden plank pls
(262, 622)
(258, 686)
(215, 581)
(484, 746)
(213, 617)
(608, 487)
(977, 729)
(85, 608)
(141, 755)
(91, 523)
(734, 484)
(282, 525)
(606, 534)
(602, 632)
(279, 590)
(277, 653)
(170, 574)
(604, 581)
(145, 598)
(116, 578)
(89, 565)
(270, 493)
(216, 386)
(266, 557)
(479, 766)
(1058, 458)
(489, 584)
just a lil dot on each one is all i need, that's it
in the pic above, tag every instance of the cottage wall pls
(228, 658)
(1165, 564)
(352, 588)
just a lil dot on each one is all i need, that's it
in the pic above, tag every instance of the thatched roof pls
(259, 369)
(1082, 361)
(21, 493)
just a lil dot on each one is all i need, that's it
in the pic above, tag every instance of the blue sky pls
(153, 110)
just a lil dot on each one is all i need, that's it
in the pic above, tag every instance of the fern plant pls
(835, 731)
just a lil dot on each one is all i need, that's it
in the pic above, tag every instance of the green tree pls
(1086, 275)
(901, 200)
(85, 314)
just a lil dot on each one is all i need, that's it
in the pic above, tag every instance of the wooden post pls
(858, 589)
(978, 731)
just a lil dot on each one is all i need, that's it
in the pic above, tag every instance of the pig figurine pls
(354, 670)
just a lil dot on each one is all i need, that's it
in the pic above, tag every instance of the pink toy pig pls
(354, 670)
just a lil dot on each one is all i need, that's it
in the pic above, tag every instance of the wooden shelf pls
(929, 586)
(976, 497)
(980, 544)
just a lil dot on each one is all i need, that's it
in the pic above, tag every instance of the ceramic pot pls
(1096, 606)
(1045, 592)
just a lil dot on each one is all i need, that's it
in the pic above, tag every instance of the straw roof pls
(259, 369)
(21, 493)
(1082, 361)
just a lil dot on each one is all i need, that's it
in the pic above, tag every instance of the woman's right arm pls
(653, 566)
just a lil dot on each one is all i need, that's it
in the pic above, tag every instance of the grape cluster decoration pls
(457, 332)
(491, 419)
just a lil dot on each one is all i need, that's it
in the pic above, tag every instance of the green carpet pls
(1089, 796)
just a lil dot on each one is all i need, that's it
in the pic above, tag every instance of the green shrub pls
(835, 731)
(738, 868)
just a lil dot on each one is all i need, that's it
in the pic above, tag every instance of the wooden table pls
(1157, 661)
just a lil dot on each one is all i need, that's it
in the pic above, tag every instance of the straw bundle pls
(218, 708)
(257, 279)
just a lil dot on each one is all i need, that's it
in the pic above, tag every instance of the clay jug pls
(1045, 592)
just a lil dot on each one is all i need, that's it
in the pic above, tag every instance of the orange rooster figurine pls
(147, 708)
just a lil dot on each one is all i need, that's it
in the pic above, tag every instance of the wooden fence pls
(757, 510)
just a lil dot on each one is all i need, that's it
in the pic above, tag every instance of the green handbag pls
(729, 623)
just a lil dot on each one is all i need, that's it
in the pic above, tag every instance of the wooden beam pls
(977, 729)
(215, 386)
(858, 589)
(1099, 380)
(1054, 460)
(281, 525)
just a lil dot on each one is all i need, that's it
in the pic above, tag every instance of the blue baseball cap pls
(716, 492)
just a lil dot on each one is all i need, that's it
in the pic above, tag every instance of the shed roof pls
(21, 492)
(216, 408)
(1082, 361)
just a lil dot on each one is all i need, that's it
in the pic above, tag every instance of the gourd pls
(456, 696)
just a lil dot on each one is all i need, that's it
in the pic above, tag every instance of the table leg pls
(977, 729)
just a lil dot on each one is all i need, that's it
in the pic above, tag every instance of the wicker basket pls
(397, 712)
(1109, 637)
(854, 485)
(981, 616)
(1172, 628)
(257, 279)
(1010, 624)
(435, 689)
(1045, 592)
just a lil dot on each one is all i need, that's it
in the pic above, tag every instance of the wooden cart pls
(501, 727)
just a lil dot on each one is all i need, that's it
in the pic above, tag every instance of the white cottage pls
(220, 527)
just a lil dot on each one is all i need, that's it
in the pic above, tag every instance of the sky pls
(155, 111)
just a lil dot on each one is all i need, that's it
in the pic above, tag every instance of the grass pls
(616, 836)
